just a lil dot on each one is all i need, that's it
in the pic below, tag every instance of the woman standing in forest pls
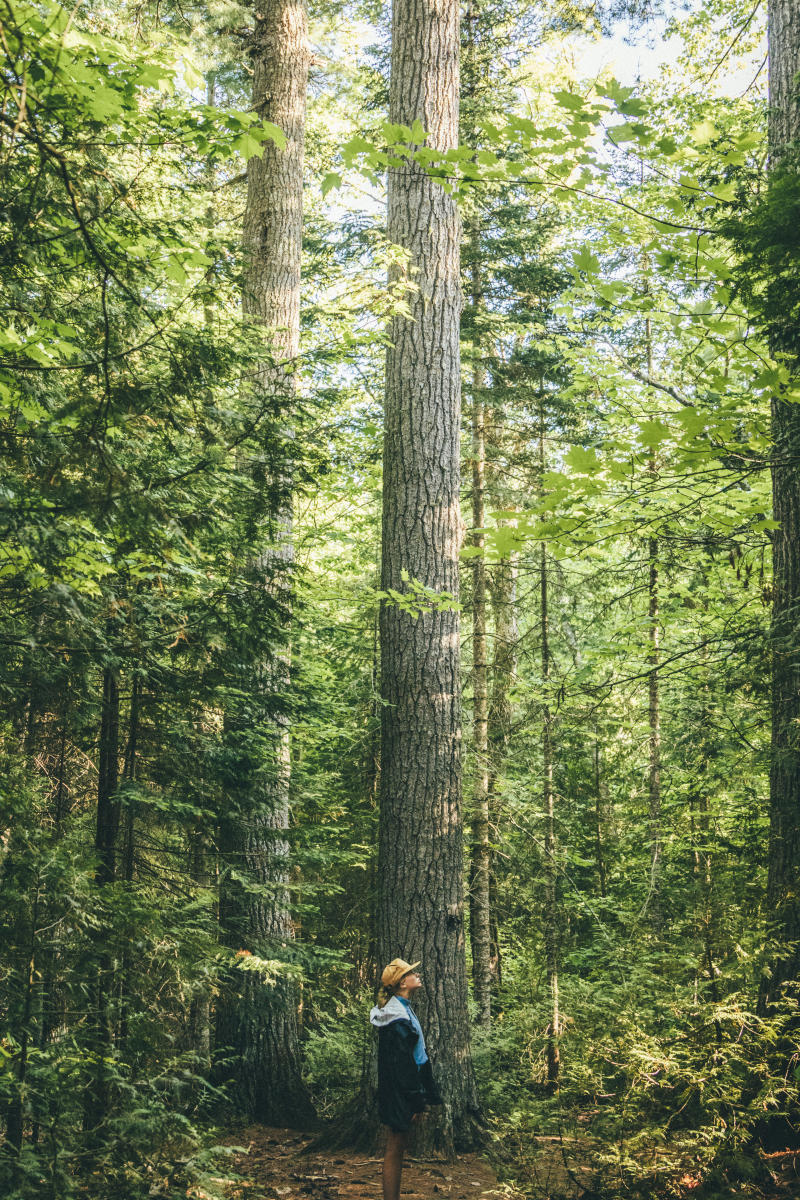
(405, 1079)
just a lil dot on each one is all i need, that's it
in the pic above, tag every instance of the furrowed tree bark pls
(420, 855)
(783, 887)
(260, 1021)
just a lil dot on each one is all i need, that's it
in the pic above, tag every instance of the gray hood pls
(393, 1010)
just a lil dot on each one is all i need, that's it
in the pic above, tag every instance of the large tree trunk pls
(783, 18)
(259, 1022)
(420, 843)
(783, 889)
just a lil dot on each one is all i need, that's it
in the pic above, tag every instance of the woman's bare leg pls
(393, 1164)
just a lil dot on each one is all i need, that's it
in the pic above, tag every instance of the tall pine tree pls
(420, 844)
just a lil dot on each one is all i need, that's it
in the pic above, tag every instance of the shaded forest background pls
(193, 602)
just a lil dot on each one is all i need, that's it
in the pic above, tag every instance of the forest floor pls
(275, 1164)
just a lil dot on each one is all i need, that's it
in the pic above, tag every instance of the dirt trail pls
(275, 1168)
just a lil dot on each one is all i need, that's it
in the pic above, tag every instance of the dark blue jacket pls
(403, 1088)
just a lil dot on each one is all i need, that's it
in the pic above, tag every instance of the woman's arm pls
(405, 1070)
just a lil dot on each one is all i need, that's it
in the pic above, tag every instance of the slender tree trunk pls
(211, 182)
(480, 865)
(783, 888)
(548, 807)
(200, 851)
(20, 876)
(703, 860)
(480, 873)
(654, 661)
(108, 810)
(127, 994)
(20, 884)
(60, 799)
(503, 590)
(15, 1112)
(420, 864)
(599, 816)
(129, 771)
(199, 1031)
(371, 963)
(97, 1097)
(654, 734)
(259, 1023)
(49, 953)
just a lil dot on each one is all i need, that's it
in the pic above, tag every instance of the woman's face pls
(410, 983)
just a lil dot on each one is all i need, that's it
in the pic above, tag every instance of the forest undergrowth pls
(399, 554)
(675, 1112)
